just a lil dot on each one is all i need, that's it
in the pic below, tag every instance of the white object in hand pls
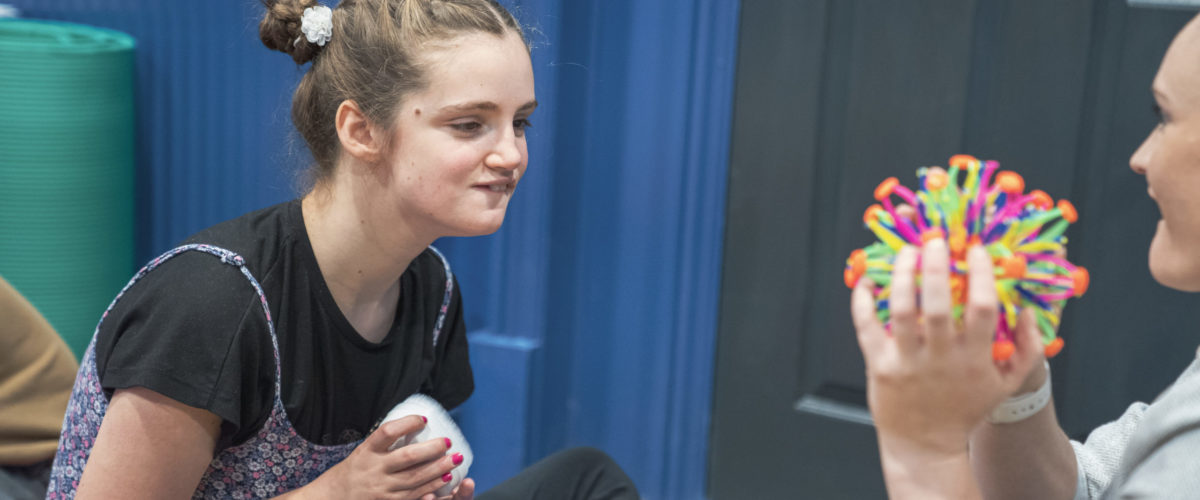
(439, 425)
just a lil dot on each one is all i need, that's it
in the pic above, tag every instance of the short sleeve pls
(451, 380)
(1159, 460)
(193, 330)
(1099, 457)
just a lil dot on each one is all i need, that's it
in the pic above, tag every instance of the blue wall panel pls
(495, 418)
(593, 311)
(638, 219)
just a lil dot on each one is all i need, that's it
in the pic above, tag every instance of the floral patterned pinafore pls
(274, 461)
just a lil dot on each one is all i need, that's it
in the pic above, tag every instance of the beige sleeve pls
(37, 372)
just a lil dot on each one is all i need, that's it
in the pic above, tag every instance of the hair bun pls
(280, 29)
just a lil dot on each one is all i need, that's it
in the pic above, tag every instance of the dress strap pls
(441, 318)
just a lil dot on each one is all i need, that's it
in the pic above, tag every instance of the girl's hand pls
(930, 381)
(464, 491)
(371, 471)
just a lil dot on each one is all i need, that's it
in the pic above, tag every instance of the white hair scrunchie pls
(317, 25)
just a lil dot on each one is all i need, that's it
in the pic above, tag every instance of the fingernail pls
(447, 477)
(447, 442)
(423, 419)
(457, 458)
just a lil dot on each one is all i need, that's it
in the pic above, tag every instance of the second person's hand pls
(931, 379)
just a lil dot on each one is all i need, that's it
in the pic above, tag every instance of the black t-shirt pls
(194, 330)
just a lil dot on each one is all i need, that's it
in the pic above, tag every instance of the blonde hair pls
(372, 58)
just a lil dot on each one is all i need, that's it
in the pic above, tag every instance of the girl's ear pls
(358, 136)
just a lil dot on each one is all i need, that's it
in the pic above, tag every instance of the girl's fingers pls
(418, 478)
(428, 487)
(981, 308)
(388, 433)
(866, 324)
(1029, 351)
(936, 305)
(465, 490)
(417, 454)
(905, 326)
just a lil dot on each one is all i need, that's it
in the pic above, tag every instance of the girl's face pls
(459, 146)
(1170, 160)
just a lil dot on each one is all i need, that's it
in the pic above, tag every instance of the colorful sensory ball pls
(1027, 254)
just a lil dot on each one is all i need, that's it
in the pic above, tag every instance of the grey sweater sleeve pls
(1100, 456)
(1150, 452)
(1170, 471)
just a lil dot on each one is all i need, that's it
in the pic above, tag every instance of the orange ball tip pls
(932, 233)
(958, 243)
(1003, 350)
(851, 277)
(962, 161)
(1082, 279)
(1068, 211)
(858, 261)
(1014, 267)
(1054, 347)
(872, 214)
(886, 187)
(1010, 182)
(1041, 199)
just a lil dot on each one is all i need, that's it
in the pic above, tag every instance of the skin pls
(383, 206)
(1169, 158)
(930, 385)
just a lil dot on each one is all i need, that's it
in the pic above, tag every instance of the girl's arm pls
(1031, 458)
(911, 472)
(149, 446)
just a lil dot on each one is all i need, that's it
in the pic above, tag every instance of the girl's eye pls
(467, 127)
(520, 125)
(1158, 112)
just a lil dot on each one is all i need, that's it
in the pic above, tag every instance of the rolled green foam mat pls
(66, 169)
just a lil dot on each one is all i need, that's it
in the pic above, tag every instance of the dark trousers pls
(26, 482)
(574, 474)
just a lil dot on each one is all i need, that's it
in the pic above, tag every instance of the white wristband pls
(1018, 408)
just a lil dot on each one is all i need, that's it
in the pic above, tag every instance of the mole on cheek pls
(417, 112)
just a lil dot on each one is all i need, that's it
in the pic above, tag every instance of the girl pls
(258, 358)
(931, 386)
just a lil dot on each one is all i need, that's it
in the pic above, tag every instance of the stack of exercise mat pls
(66, 169)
